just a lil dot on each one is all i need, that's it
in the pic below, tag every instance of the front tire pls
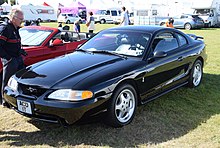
(187, 26)
(122, 107)
(196, 74)
(162, 24)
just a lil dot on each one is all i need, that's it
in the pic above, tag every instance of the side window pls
(182, 39)
(107, 12)
(103, 12)
(114, 13)
(164, 42)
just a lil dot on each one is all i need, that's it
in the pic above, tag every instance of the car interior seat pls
(65, 36)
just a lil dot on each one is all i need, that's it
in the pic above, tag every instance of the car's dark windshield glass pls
(203, 12)
(33, 37)
(127, 43)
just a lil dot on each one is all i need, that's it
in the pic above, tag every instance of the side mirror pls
(159, 54)
(56, 42)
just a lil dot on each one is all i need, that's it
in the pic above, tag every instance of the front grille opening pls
(29, 90)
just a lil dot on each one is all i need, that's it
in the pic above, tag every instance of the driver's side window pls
(164, 42)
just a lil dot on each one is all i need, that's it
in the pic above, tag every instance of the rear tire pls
(68, 22)
(122, 106)
(39, 20)
(209, 25)
(102, 21)
(196, 74)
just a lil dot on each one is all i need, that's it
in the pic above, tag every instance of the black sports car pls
(113, 72)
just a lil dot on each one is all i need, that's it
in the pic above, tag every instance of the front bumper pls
(55, 111)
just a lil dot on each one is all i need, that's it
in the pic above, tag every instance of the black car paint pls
(101, 74)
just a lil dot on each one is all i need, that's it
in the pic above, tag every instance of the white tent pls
(100, 4)
(52, 3)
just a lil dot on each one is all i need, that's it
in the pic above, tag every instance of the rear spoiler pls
(195, 37)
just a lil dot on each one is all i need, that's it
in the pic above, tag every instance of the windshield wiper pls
(109, 53)
(83, 50)
(25, 45)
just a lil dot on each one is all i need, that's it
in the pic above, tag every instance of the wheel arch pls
(132, 83)
(201, 59)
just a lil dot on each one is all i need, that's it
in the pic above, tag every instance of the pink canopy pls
(46, 4)
(74, 8)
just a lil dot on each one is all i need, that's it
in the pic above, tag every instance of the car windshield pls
(33, 37)
(128, 43)
(203, 12)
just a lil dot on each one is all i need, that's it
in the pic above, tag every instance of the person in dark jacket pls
(10, 47)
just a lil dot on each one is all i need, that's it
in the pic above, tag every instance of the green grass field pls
(183, 118)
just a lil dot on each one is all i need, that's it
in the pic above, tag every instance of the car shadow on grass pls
(169, 117)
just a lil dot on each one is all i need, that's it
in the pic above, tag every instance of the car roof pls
(144, 28)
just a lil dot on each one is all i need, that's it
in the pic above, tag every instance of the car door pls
(52, 51)
(162, 72)
(179, 22)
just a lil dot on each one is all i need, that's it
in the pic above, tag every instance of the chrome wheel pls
(187, 26)
(122, 106)
(125, 105)
(197, 74)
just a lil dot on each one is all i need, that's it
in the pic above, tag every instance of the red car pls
(43, 43)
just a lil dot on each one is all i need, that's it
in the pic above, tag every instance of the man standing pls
(124, 17)
(10, 47)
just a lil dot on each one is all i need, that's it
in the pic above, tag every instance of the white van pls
(107, 16)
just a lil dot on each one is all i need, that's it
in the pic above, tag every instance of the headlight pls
(12, 83)
(70, 95)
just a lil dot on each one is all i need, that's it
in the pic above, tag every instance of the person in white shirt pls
(91, 23)
(124, 17)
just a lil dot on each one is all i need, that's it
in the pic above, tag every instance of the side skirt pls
(162, 93)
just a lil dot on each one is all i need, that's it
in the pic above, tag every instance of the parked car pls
(68, 18)
(107, 16)
(40, 44)
(186, 21)
(113, 72)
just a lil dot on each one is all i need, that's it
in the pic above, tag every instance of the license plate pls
(24, 106)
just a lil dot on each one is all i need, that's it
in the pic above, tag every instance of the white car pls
(68, 18)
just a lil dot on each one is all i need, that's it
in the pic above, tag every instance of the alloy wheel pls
(125, 105)
(197, 74)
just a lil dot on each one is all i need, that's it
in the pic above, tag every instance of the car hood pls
(77, 66)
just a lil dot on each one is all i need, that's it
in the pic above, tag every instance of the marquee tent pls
(74, 8)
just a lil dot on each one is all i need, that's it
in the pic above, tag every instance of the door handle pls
(180, 58)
